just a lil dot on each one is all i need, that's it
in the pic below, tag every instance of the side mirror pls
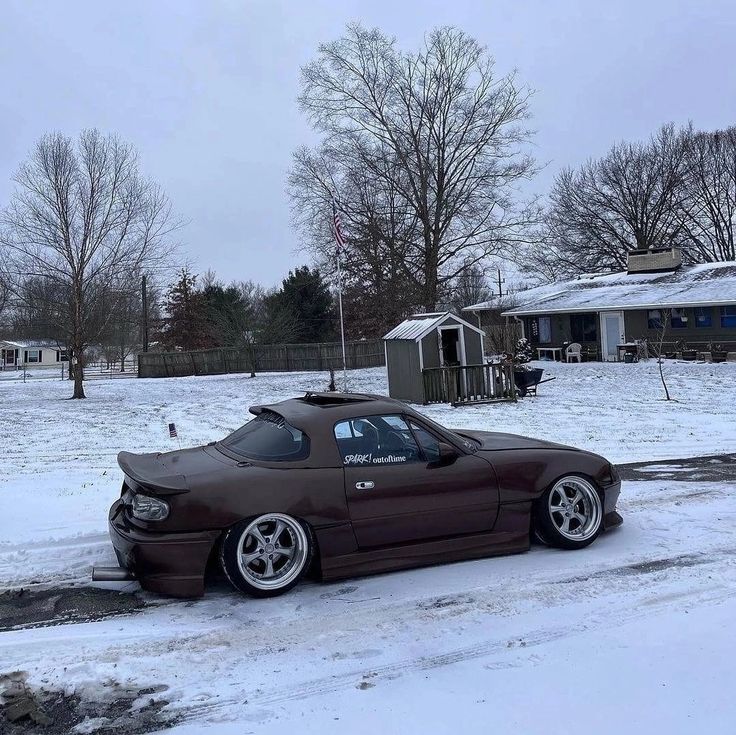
(448, 454)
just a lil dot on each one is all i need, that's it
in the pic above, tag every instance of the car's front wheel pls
(266, 556)
(569, 515)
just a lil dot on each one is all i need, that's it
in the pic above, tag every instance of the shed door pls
(452, 345)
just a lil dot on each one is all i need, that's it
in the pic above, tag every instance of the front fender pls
(524, 474)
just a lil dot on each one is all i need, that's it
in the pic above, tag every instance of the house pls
(424, 341)
(605, 312)
(34, 353)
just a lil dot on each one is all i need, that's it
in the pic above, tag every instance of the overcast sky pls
(207, 90)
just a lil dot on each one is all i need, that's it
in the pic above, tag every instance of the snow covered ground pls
(633, 634)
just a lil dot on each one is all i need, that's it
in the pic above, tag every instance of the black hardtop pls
(327, 408)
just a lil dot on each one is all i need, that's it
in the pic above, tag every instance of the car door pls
(398, 491)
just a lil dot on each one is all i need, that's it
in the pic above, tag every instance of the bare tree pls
(624, 201)
(708, 206)
(378, 281)
(470, 286)
(5, 282)
(423, 148)
(122, 333)
(251, 320)
(41, 311)
(82, 217)
(665, 315)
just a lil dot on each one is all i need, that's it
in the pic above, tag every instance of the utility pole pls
(500, 281)
(144, 298)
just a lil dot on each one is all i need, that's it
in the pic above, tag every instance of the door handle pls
(367, 485)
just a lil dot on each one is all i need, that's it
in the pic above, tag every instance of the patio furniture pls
(555, 353)
(627, 348)
(574, 352)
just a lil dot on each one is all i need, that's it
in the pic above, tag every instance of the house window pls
(545, 330)
(678, 320)
(61, 356)
(584, 328)
(728, 317)
(534, 330)
(703, 316)
(33, 356)
(654, 319)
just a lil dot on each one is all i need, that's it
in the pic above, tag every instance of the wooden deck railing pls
(469, 384)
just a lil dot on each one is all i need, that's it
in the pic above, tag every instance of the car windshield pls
(268, 437)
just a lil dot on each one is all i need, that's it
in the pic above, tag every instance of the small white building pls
(43, 353)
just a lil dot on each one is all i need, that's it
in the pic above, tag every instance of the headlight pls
(146, 508)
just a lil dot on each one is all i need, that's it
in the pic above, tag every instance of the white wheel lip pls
(301, 543)
(590, 502)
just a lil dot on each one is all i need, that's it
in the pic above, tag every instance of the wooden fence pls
(469, 384)
(261, 359)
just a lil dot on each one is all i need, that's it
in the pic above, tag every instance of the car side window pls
(376, 440)
(429, 444)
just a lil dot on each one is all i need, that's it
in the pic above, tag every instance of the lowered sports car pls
(347, 484)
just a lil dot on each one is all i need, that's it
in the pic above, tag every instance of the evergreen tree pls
(186, 324)
(225, 310)
(306, 296)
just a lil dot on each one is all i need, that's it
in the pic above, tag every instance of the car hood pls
(171, 473)
(490, 440)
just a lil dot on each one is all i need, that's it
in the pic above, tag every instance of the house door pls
(612, 334)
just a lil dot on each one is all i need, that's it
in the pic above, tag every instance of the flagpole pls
(335, 225)
(342, 323)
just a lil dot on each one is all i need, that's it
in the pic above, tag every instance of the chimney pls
(654, 260)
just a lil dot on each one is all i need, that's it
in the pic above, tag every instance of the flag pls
(337, 228)
(172, 431)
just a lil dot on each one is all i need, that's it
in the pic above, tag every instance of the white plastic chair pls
(574, 352)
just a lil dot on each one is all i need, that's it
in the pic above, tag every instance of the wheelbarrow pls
(528, 380)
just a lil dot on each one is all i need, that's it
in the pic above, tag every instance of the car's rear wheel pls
(266, 556)
(569, 515)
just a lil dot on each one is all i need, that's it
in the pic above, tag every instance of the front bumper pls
(611, 517)
(167, 563)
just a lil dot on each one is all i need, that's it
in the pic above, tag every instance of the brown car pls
(348, 484)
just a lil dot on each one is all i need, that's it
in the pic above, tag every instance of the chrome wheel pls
(272, 551)
(575, 508)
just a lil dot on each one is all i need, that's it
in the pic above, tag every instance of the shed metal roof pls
(418, 326)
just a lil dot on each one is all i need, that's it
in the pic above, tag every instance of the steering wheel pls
(396, 442)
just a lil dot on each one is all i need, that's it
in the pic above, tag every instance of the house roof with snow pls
(418, 326)
(708, 284)
(34, 344)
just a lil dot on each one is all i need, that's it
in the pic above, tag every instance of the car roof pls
(319, 409)
(317, 413)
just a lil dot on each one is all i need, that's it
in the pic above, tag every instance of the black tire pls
(240, 544)
(549, 524)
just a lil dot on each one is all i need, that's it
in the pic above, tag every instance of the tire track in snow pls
(613, 615)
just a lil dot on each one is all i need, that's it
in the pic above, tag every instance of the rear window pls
(268, 437)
